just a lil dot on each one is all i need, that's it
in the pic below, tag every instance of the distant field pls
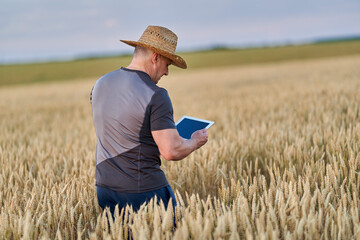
(282, 161)
(94, 68)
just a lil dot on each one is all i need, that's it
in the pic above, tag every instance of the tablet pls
(186, 126)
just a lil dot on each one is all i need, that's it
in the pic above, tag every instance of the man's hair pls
(142, 51)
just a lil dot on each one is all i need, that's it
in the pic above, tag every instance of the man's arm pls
(174, 147)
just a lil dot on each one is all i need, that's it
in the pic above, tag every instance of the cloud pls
(110, 23)
(48, 27)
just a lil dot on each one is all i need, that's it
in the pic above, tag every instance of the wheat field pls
(282, 160)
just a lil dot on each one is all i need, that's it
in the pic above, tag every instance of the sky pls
(41, 30)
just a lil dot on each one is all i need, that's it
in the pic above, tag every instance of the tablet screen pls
(186, 126)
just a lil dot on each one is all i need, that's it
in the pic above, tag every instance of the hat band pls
(160, 46)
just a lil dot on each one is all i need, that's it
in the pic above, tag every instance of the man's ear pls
(154, 57)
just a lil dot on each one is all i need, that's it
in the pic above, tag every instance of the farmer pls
(134, 124)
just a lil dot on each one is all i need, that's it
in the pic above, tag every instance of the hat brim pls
(176, 60)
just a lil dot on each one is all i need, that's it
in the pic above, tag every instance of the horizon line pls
(212, 47)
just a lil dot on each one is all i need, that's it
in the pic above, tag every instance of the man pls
(133, 119)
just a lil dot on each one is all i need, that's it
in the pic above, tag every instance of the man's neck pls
(134, 65)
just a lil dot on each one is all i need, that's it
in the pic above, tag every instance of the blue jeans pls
(110, 198)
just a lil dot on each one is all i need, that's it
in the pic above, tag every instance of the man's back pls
(127, 105)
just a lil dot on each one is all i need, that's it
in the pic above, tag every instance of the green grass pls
(94, 68)
(56, 71)
(271, 54)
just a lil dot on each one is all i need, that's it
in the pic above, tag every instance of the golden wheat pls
(282, 159)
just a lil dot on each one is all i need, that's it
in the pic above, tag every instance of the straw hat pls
(162, 41)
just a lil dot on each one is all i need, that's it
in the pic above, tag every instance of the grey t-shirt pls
(127, 105)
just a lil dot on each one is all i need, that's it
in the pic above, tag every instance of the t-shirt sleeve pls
(161, 115)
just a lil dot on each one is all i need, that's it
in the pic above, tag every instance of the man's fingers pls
(200, 135)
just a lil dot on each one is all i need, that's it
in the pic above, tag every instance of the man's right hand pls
(174, 147)
(200, 137)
